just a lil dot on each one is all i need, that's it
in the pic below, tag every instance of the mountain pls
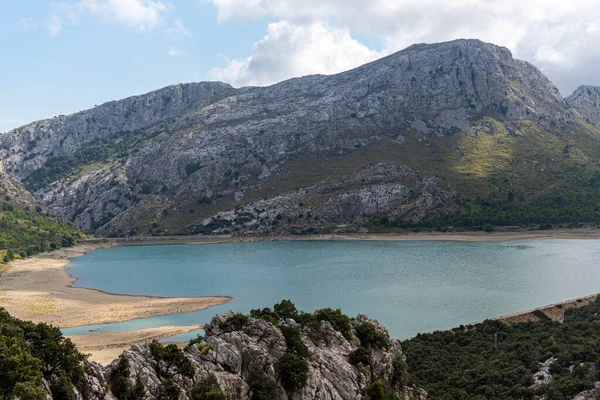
(456, 133)
(586, 101)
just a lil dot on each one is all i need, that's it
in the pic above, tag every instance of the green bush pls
(208, 389)
(119, 382)
(170, 360)
(369, 336)
(293, 372)
(379, 390)
(169, 391)
(488, 228)
(236, 322)
(337, 319)
(293, 339)
(285, 309)
(360, 356)
(265, 314)
(262, 386)
(62, 389)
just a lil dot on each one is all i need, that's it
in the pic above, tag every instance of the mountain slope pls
(586, 101)
(418, 135)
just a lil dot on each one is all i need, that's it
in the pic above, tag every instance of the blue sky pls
(97, 59)
(62, 56)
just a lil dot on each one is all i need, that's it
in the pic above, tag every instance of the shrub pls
(169, 391)
(264, 314)
(337, 319)
(208, 389)
(360, 356)
(369, 336)
(488, 228)
(262, 386)
(170, 360)
(293, 339)
(293, 372)
(62, 389)
(379, 390)
(285, 309)
(236, 322)
(400, 376)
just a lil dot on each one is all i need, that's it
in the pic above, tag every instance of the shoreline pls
(106, 347)
(40, 289)
(475, 236)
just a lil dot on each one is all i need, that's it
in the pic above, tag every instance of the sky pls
(62, 56)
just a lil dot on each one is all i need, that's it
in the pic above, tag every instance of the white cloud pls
(178, 30)
(560, 37)
(175, 52)
(27, 24)
(54, 25)
(295, 50)
(138, 14)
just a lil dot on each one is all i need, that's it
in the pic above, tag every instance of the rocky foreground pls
(262, 358)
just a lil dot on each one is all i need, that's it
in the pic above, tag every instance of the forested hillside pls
(493, 360)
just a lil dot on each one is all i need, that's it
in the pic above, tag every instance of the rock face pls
(236, 356)
(586, 101)
(184, 147)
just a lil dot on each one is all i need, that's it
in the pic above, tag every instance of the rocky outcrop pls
(237, 356)
(586, 101)
(211, 141)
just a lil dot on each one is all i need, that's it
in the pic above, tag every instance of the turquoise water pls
(410, 287)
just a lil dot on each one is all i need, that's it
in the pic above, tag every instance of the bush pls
(400, 376)
(236, 322)
(293, 372)
(369, 336)
(488, 228)
(262, 386)
(360, 356)
(170, 360)
(208, 389)
(293, 339)
(337, 319)
(169, 391)
(264, 314)
(62, 389)
(285, 309)
(378, 390)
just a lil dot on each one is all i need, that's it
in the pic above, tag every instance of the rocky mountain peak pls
(586, 101)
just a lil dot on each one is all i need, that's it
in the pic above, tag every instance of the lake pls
(410, 287)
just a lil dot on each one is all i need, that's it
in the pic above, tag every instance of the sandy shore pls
(40, 289)
(477, 236)
(104, 347)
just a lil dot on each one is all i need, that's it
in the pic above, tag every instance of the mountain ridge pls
(205, 148)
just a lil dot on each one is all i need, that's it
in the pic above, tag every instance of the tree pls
(170, 360)
(293, 371)
(285, 309)
(208, 389)
(19, 370)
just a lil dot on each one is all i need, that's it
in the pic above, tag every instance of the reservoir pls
(409, 286)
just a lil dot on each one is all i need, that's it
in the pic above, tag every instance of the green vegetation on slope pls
(111, 149)
(25, 232)
(30, 353)
(466, 363)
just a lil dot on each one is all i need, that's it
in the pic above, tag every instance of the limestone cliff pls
(246, 362)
